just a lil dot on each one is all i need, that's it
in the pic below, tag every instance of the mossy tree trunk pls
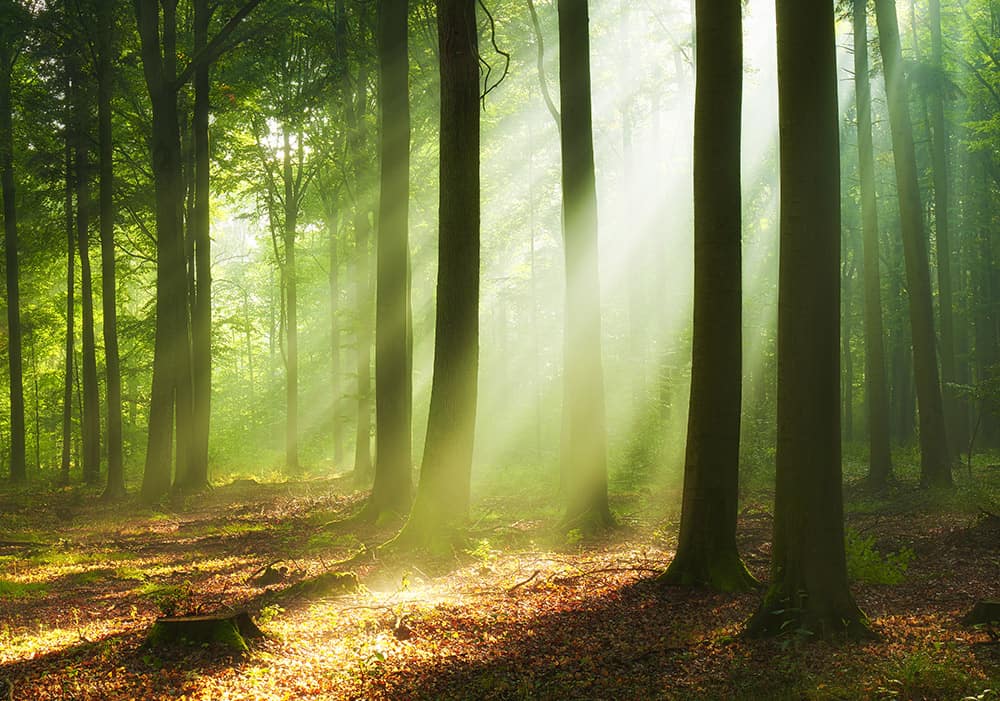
(706, 552)
(809, 587)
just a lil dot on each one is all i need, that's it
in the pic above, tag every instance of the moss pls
(222, 633)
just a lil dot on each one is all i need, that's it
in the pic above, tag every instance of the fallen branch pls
(520, 584)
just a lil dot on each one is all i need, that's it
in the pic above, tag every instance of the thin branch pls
(487, 88)
(543, 82)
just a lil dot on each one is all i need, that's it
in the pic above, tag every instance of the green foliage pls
(866, 564)
(21, 590)
(169, 598)
(922, 675)
(269, 613)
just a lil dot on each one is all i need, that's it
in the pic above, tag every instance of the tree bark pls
(67, 412)
(706, 551)
(115, 488)
(171, 353)
(876, 389)
(291, 309)
(935, 463)
(91, 426)
(196, 476)
(442, 500)
(393, 325)
(809, 572)
(954, 409)
(585, 449)
(18, 471)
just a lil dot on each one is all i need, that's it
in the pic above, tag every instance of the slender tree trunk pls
(809, 571)
(291, 312)
(442, 500)
(876, 389)
(91, 426)
(393, 326)
(585, 450)
(953, 410)
(171, 353)
(196, 477)
(18, 472)
(67, 414)
(355, 106)
(845, 343)
(935, 463)
(115, 488)
(706, 552)
(336, 389)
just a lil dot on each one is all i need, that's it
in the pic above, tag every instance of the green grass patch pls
(21, 590)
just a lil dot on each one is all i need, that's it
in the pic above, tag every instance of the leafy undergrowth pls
(511, 617)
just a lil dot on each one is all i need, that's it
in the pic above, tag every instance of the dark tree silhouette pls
(706, 552)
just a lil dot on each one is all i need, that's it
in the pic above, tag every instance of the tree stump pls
(228, 630)
(983, 613)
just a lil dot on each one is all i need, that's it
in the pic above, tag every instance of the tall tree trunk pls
(115, 488)
(935, 462)
(876, 389)
(953, 406)
(706, 551)
(809, 571)
(442, 500)
(91, 426)
(355, 106)
(585, 447)
(18, 472)
(845, 344)
(336, 389)
(67, 413)
(393, 326)
(291, 311)
(171, 352)
(196, 477)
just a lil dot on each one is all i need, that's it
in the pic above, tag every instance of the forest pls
(500, 349)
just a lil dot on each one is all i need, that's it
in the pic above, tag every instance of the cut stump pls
(983, 613)
(228, 630)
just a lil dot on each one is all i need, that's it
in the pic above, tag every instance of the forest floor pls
(520, 614)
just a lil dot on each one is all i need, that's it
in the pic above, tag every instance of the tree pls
(67, 407)
(935, 463)
(953, 410)
(393, 324)
(172, 386)
(195, 478)
(706, 552)
(809, 572)
(879, 459)
(115, 488)
(442, 499)
(91, 426)
(11, 14)
(584, 448)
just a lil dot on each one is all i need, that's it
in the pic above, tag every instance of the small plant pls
(269, 613)
(866, 564)
(482, 552)
(920, 675)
